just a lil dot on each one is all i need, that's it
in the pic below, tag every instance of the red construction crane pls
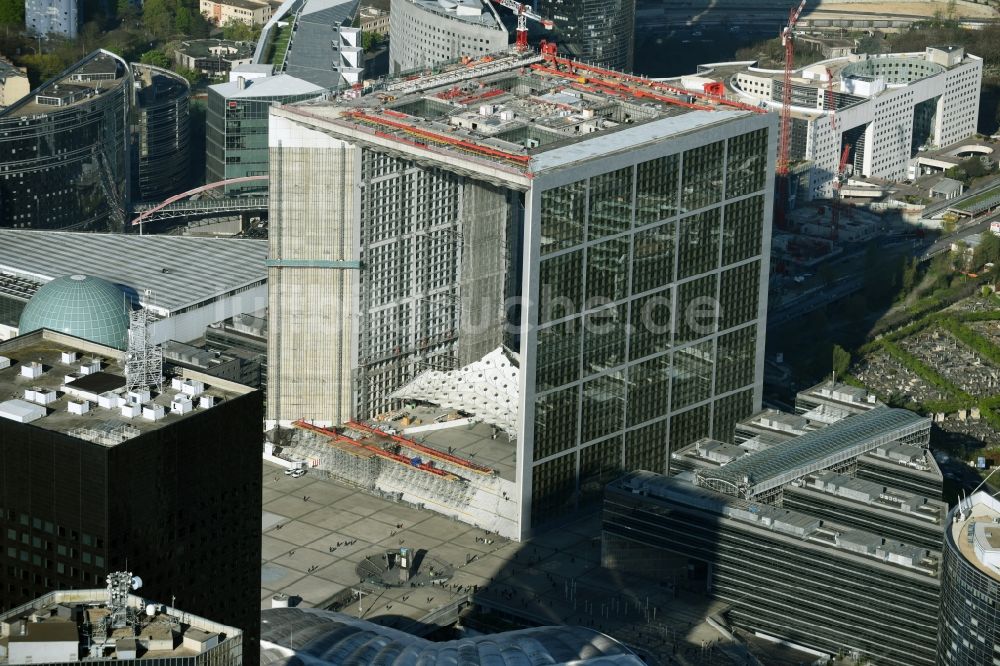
(785, 136)
(837, 183)
(523, 12)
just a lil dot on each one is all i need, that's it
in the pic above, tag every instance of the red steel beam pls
(434, 453)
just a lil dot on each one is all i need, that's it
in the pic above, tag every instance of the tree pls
(43, 66)
(183, 21)
(156, 58)
(369, 40)
(841, 361)
(948, 223)
(193, 77)
(910, 271)
(826, 274)
(238, 31)
(126, 11)
(988, 250)
(871, 44)
(12, 12)
(157, 18)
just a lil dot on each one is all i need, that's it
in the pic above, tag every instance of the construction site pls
(422, 230)
(419, 456)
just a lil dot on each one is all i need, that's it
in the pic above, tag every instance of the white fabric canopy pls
(487, 388)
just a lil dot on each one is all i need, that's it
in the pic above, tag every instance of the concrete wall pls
(191, 325)
(311, 350)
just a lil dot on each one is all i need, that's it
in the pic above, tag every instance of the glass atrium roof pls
(317, 636)
(820, 449)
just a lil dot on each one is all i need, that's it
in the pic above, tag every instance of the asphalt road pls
(944, 242)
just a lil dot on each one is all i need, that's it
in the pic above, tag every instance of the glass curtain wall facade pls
(969, 621)
(66, 150)
(601, 33)
(649, 314)
(804, 590)
(162, 128)
(236, 138)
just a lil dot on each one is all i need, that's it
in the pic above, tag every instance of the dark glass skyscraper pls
(601, 32)
(98, 480)
(65, 150)
(161, 138)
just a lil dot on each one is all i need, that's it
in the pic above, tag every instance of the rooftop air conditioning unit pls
(78, 408)
(153, 412)
(31, 370)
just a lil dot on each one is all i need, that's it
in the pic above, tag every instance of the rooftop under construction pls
(511, 107)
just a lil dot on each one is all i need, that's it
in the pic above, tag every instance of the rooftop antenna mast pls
(143, 359)
(120, 584)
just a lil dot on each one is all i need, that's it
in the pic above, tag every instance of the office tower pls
(970, 584)
(884, 109)
(236, 127)
(60, 18)
(162, 124)
(106, 626)
(503, 241)
(326, 50)
(426, 33)
(79, 148)
(94, 478)
(65, 150)
(819, 584)
(798, 496)
(601, 33)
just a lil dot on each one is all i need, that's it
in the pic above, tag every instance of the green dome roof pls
(80, 305)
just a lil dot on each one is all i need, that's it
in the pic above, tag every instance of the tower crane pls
(785, 136)
(837, 184)
(524, 12)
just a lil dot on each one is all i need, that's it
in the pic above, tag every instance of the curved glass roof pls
(819, 449)
(318, 636)
(84, 306)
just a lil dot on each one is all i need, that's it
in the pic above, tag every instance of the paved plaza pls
(316, 531)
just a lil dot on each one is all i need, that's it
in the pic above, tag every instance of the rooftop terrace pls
(96, 74)
(514, 108)
(61, 383)
(877, 495)
(976, 532)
